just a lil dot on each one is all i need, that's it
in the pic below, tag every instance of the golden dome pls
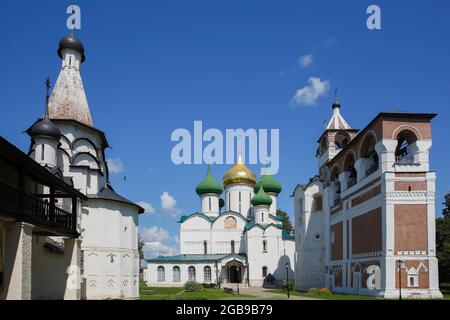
(239, 174)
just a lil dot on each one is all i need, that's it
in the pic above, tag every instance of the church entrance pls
(235, 276)
(234, 271)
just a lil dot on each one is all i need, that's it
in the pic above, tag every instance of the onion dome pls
(269, 184)
(45, 128)
(221, 203)
(261, 198)
(209, 185)
(239, 174)
(70, 42)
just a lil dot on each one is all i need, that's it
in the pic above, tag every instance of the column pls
(18, 254)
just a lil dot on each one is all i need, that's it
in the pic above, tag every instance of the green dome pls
(269, 184)
(261, 198)
(209, 185)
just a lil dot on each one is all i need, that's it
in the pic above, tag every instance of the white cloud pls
(154, 249)
(115, 166)
(305, 60)
(154, 234)
(147, 206)
(169, 204)
(309, 94)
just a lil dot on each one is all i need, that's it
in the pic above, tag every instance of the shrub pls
(324, 291)
(289, 285)
(314, 291)
(192, 286)
(209, 285)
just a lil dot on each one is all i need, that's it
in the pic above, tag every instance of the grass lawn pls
(445, 289)
(333, 296)
(174, 293)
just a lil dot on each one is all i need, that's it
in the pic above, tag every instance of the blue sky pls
(154, 66)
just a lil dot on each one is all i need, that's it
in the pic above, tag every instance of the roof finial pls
(47, 96)
(239, 157)
(336, 103)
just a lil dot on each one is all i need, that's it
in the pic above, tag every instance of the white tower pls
(209, 191)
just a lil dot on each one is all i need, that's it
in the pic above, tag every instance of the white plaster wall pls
(111, 258)
(152, 274)
(48, 280)
(232, 198)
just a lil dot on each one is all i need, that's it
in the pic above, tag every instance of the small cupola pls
(261, 198)
(209, 185)
(269, 184)
(70, 42)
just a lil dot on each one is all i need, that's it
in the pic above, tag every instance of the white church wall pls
(168, 280)
(235, 192)
(110, 250)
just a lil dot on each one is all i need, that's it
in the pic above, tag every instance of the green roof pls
(209, 185)
(189, 257)
(269, 184)
(185, 217)
(261, 198)
(287, 235)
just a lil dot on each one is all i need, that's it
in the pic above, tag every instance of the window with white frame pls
(176, 274)
(191, 273)
(161, 274)
(207, 274)
(413, 278)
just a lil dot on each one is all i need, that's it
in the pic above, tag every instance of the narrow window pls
(229, 201)
(176, 274)
(232, 246)
(262, 216)
(209, 198)
(42, 152)
(191, 273)
(264, 244)
(161, 274)
(264, 272)
(207, 274)
(205, 247)
(240, 206)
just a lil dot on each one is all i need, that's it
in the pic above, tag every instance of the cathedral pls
(365, 223)
(237, 239)
(64, 232)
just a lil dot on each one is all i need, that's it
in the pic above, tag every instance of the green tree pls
(141, 244)
(443, 242)
(287, 225)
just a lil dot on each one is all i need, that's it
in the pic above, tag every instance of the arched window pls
(205, 247)
(316, 202)
(176, 274)
(191, 273)
(368, 151)
(207, 274)
(264, 271)
(403, 154)
(161, 274)
(341, 140)
(264, 245)
(349, 166)
(230, 223)
(232, 246)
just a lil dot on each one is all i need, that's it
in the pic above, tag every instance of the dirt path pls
(263, 294)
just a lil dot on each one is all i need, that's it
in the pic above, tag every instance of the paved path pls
(263, 294)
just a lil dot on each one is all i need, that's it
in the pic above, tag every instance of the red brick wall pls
(337, 246)
(366, 196)
(366, 232)
(410, 227)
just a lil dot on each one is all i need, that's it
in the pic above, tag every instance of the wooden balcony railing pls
(25, 207)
